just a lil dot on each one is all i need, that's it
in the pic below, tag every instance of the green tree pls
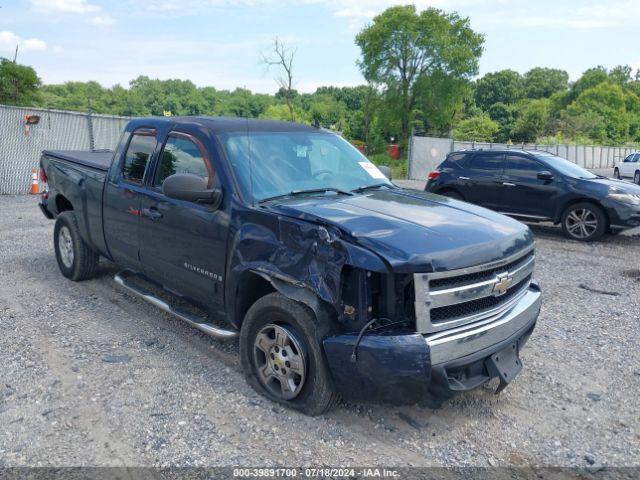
(504, 86)
(503, 115)
(480, 129)
(542, 82)
(532, 120)
(18, 83)
(590, 78)
(401, 47)
(606, 105)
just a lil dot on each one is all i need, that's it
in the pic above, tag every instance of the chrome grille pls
(448, 299)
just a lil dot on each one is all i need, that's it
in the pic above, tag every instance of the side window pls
(141, 147)
(519, 166)
(183, 155)
(636, 158)
(457, 160)
(489, 162)
(629, 159)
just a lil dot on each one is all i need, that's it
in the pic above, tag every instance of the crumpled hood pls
(416, 231)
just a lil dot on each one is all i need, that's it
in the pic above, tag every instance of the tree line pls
(420, 73)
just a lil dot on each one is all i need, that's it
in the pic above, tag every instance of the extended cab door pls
(121, 201)
(183, 244)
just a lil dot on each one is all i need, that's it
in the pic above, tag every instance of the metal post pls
(410, 153)
(92, 141)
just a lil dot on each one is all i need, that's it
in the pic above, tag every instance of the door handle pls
(508, 184)
(151, 213)
(464, 178)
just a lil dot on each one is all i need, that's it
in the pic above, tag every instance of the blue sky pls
(219, 42)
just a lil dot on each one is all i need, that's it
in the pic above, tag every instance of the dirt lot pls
(92, 376)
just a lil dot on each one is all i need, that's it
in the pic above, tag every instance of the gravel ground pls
(94, 377)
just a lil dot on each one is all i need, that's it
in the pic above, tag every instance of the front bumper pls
(407, 367)
(622, 215)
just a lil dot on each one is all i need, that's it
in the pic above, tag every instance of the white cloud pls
(591, 15)
(78, 7)
(102, 20)
(9, 40)
(64, 6)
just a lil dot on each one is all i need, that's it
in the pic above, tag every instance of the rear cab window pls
(141, 147)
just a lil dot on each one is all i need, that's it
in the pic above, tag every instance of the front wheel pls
(584, 221)
(636, 178)
(282, 357)
(75, 259)
(616, 174)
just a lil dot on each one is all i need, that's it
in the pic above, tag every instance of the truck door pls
(183, 244)
(121, 202)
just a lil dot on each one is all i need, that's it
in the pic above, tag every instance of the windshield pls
(272, 164)
(566, 167)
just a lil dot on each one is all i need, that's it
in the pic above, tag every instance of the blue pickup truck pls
(335, 281)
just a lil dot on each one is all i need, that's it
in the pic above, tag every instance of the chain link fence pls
(20, 147)
(426, 153)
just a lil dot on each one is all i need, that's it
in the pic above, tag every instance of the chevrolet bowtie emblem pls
(503, 282)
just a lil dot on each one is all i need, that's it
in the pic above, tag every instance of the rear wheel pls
(584, 221)
(75, 259)
(616, 173)
(282, 356)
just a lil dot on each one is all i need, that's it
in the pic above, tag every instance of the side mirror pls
(385, 170)
(192, 188)
(545, 175)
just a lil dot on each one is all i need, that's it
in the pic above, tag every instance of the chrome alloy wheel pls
(279, 361)
(65, 246)
(581, 223)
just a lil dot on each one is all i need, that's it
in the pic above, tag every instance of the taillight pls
(433, 175)
(43, 176)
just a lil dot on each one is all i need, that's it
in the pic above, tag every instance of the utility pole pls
(15, 55)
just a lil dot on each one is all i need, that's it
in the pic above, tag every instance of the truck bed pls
(100, 160)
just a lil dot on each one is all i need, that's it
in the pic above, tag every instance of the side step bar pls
(208, 328)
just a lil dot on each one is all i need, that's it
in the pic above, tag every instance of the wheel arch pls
(252, 285)
(576, 200)
(63, 204)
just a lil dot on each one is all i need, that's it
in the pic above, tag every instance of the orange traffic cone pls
(35, 186)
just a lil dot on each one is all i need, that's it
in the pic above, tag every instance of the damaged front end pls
(376, 347)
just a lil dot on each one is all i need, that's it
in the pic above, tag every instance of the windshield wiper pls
(364, 188)
(293, 193)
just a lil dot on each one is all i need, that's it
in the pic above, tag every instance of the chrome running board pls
(197, 322)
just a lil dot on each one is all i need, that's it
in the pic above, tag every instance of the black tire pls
(592, 231)
(616, 174)
(82, 264)
(316, 394)
(451, 194)
(636, 177)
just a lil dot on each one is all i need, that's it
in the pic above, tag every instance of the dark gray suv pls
(539, 186)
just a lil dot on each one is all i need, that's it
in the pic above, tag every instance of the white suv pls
(629, 168)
